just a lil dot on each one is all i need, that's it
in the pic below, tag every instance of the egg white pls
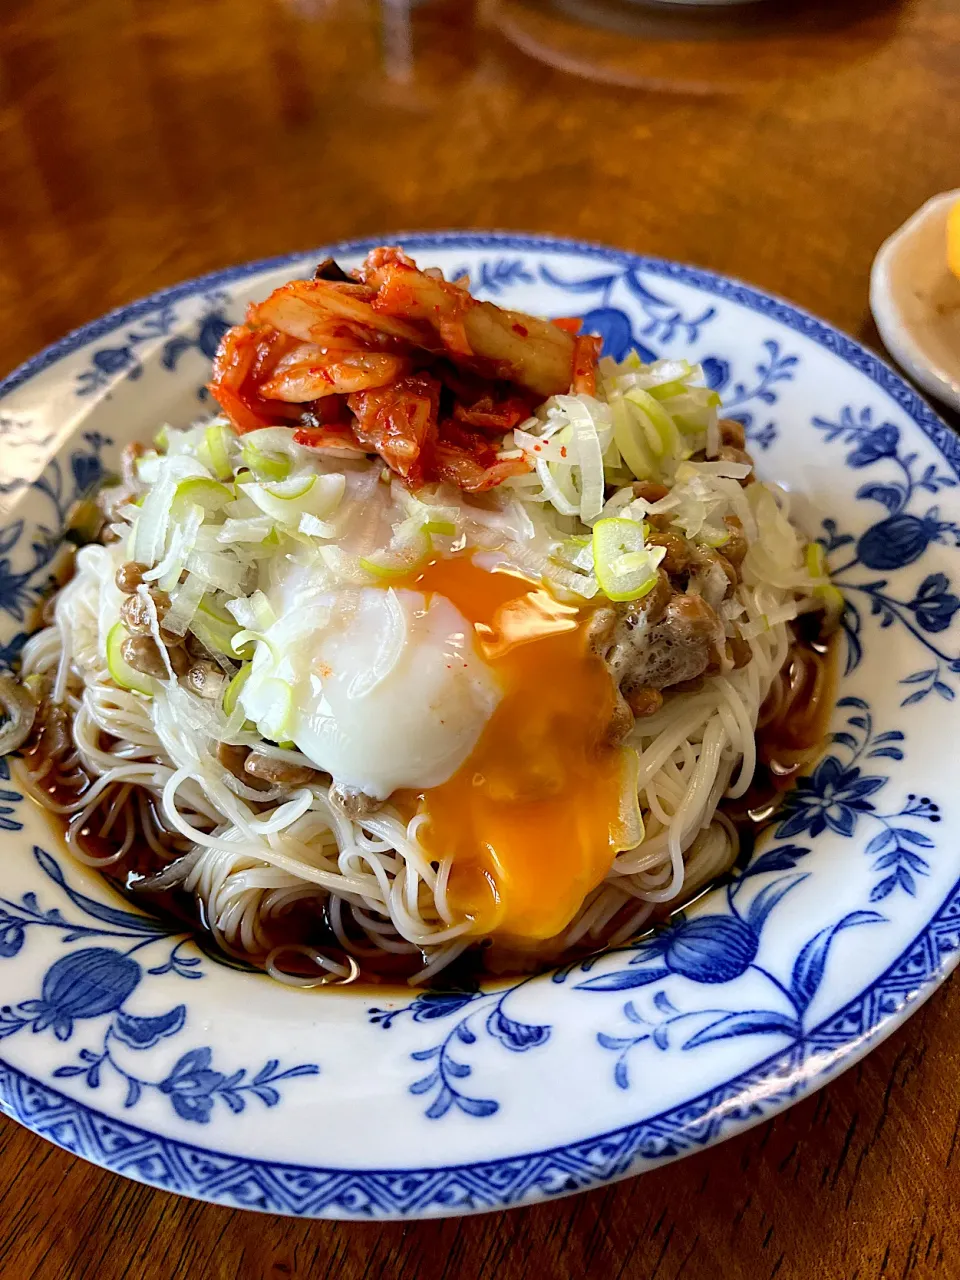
(382, 688)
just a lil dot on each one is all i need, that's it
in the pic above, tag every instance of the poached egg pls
(473, 697)
(387, 689)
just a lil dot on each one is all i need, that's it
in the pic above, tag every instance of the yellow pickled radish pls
(953, 238)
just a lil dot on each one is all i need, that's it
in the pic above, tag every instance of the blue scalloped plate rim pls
(726, 1108)
(301, 1190)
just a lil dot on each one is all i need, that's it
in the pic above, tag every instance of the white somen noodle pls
(384, 895)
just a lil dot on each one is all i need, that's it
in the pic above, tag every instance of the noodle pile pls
(381, 894)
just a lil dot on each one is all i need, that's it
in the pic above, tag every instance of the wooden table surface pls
(144, 141)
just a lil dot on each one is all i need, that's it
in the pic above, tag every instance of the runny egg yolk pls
(532, 820)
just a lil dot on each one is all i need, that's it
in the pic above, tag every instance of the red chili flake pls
(537, 448)
(563, 451)
(523, 331)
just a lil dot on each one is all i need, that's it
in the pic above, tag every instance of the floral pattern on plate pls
(444, 1102)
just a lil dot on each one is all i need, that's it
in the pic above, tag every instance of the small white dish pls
(916, 300)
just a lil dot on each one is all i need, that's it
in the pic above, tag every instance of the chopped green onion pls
(816, 560)
(581, 584)
(713, 537)
(304, 494)
(824, 590)
(214, 450)
(389, 567)
(665, 438)
(399, 560)
(120, 670)
(211, 495)
(576, 553)
(625, 566)
(631, 441)
(667, 389)
(148, 467)
(215, 628)
(265, 466)
(316, 528)
(232, 692)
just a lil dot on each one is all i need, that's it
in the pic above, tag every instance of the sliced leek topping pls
(265, 466)
(397, 562)
(625, 566)
(206, 493)
(214, 451)
(304, 494)
(121, 672)
(215, 628)
(232, 692)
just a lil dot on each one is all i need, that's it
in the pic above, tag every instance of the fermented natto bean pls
(232, 758)
(282, 772)
(135, 614)
(732, 433)
(129, 576)
(196, 648)
(678, 552)
(645, 701)
(20, 707)
(649, 491)
(142, 653)
(178, 660)
(352, 802)
(739, 651)
(205, 679)
(735, 547)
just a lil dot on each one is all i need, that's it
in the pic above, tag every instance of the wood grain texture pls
(144, 141)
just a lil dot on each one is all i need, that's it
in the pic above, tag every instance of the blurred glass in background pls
(685, 46)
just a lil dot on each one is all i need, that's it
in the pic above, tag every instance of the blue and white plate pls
(125, 1044)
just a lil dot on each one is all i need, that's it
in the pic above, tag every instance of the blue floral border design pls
(94, 983)
(60, 486)
(893, 542)
(298, 1190)
(709, 949)
(495, 1184)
